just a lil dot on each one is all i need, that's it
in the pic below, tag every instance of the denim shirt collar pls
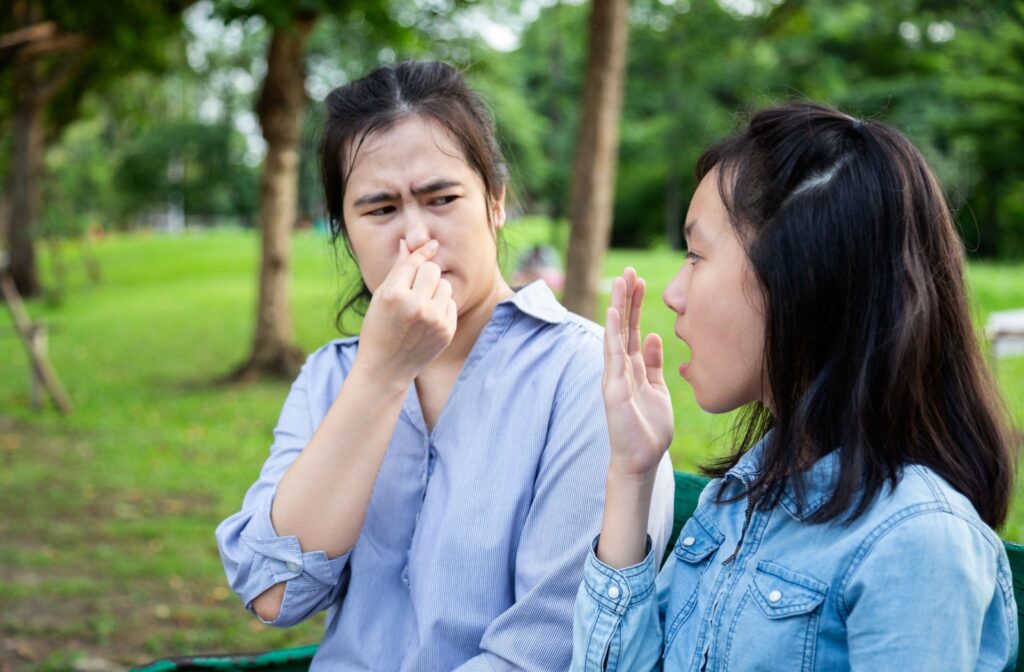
(536, 300)
(819, 480)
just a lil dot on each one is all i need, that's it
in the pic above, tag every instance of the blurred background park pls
(159, 167)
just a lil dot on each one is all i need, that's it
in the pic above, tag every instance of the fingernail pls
(431, 246)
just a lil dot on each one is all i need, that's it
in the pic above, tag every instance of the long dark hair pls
(381, 99)
(869, 346)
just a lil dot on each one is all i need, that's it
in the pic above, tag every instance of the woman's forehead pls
(412, 150)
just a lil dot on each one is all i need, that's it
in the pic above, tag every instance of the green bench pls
(688, 489)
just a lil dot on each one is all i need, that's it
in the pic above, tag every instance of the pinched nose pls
(415, 229)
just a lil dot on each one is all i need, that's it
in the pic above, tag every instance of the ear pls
(498, 210)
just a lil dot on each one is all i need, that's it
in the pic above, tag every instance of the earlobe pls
(498, 210)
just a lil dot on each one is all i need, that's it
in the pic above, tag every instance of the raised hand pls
(411, 318)
(636, 400)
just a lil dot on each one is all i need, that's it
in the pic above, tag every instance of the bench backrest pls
(689, 487)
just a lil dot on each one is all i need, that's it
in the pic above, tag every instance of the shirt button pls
(293, 567)
(774, 596)
(689, 541)
(613, 592)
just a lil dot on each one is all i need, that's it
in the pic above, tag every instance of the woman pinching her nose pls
(435, 481)
(412, 316)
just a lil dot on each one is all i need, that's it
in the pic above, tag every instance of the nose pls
(415, 228)
(674, 295)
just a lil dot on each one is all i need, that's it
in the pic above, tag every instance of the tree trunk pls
(280, 110)
(23, 184)
(673, 144)
(593, 174)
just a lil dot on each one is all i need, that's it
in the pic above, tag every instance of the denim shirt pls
(477, 529)
(918, 582)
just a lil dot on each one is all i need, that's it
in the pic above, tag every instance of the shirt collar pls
(537, 300)
(819, 480)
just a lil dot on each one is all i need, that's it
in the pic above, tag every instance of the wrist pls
(633, 490)
(377, 381)
(629, 477)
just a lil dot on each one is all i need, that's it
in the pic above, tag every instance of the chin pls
(715, 406)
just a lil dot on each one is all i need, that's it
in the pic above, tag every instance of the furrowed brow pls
(376, 197)
(436, 185)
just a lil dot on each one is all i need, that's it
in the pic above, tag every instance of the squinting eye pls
(380, 212)
(692, 256)
(444, 200)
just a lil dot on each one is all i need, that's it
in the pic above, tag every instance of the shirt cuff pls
(619, 589)
(283, 560)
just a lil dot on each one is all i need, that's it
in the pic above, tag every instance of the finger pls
(620, 301)
(442, 295)
(451, 315)
(654, 360)
(628, 279)
(619, 297)
(424, 284)
(404, 271)
(614, 353)
(633, 346)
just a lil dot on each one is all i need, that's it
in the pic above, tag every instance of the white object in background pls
(1006, 331)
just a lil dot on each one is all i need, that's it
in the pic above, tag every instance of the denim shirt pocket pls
(784, 620)
(697, 544)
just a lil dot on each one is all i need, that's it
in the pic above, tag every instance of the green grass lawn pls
(106, 537)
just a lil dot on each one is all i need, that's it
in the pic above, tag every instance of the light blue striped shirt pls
(476, 534)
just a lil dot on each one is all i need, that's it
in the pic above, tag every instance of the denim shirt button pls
(293, 567)
(689, 541)
(613, 592)
(774, 596)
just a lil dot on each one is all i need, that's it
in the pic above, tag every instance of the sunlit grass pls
(107, 533)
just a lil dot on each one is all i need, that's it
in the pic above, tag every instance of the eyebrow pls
(384, 196)
(688, 230)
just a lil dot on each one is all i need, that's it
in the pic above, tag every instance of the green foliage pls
(947, 73)
(201, 163)
(120, 36)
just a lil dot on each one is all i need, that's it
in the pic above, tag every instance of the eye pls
(382, 211)
(443, 200)
(692, 256)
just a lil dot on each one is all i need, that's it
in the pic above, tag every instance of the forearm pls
(627, 507)
(323, 497)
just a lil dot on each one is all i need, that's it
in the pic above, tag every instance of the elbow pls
(268, 605)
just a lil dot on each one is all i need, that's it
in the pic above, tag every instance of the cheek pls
(374, 255)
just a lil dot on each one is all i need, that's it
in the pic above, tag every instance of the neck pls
(471, 322)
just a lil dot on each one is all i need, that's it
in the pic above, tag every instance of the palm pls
(637, 402)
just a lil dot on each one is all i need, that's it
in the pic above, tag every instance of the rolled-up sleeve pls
(254, 556)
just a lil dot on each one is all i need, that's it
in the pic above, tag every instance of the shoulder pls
(326, 367)
(333, 354)
(923, 527)
(580, 343)
(925, 508)
(577, 338)
(564, 326)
